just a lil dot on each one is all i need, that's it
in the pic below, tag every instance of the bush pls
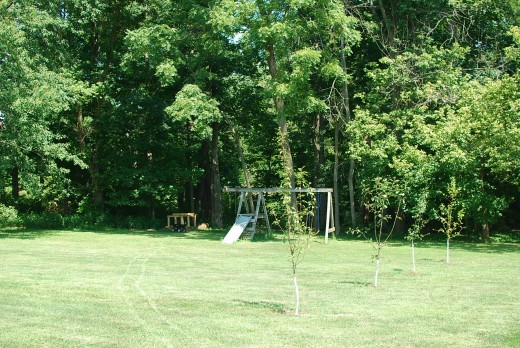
(8, 216)
(143, 223)
(43, 221)
(102, 221)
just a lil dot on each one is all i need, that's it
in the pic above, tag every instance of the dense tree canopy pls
(138, 108)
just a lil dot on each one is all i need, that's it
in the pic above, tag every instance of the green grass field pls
(164, 289)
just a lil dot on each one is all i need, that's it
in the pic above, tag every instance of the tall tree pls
(270, 28)
(34, 91)
(201, 114)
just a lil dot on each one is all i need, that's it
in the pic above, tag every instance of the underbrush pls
(10, 218)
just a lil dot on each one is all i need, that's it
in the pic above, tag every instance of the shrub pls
(8, 216)
(102, 221)
(43, 221)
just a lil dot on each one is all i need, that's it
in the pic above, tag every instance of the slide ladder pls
(238, 228)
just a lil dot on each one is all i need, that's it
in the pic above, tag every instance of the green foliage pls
(8, 216)
(297, 229)
(513, 52)
(42, 221)
(451, 215)
(196, 109)
(113, 102)
(153, 49)
(420, 219)
(378, 198)
(426, 121)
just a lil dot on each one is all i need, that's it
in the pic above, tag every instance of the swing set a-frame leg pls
(329, 221)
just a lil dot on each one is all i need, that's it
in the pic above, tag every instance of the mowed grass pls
(164, 289)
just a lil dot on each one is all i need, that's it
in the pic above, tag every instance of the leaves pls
(196, 109)
(118, 99)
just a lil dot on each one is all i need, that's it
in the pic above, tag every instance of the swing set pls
(2, 121)
(247, 221)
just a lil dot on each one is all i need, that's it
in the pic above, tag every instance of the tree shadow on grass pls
(26, 234)
(272, 306)
(209, 234)
(501, 248)
(491, 248)
(355, 282)
(264, 236)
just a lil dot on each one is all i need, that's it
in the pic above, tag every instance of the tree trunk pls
(200, 204)
(191, 196)
(318, 151)
(249, 197)
(93, 165)
(15, 184)
(282, 122)
(80, 130)
(216, 201)
(351, 192)
(376, 278)
(336, 178)
(352, 162)
(413, 257)
(485, 232)
(297, 292)
(316, 176)
(287, 156)
(388, 27)
(97, 192)
(190, 188)
(447, 250)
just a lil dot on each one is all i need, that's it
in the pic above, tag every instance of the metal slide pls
(238, 228)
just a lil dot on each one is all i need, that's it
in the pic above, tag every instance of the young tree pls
(298, 232)
(450, 216)
(419, 221)
(379, 198)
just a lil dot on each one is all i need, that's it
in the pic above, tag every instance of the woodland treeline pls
(127, 109)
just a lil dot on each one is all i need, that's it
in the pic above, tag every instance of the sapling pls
(296, 211)
(415, 231)
(378, 202)
(297, 231)
(451, 216)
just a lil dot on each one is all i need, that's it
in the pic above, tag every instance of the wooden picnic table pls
(188, 219)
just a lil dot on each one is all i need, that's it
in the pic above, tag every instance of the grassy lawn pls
(164, 289)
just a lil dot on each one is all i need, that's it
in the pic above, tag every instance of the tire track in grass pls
(130, 307)
(151, 303)
(136, 284)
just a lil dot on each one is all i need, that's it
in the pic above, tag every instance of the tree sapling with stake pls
(298, 232)
(451, 216)
(415, 231)
(379, 199)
